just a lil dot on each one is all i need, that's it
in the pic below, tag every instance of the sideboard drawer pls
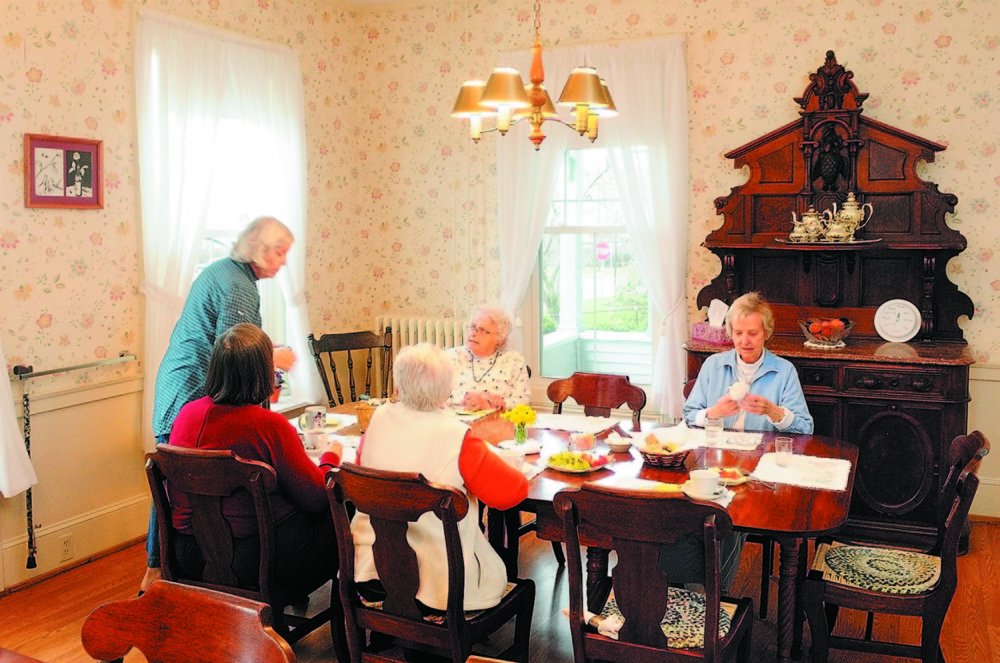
(928, 382)
(815, 377)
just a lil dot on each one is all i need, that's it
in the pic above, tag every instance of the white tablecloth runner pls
(805, 471)
(575, 423)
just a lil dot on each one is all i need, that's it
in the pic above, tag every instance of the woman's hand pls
(723, 407)
(483, 400)
(284, 358)
(334, 448)
(755, 404)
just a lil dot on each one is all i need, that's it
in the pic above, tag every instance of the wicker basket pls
(364, 412)
(674, 460)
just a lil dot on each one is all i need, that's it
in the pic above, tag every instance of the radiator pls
(442, 332)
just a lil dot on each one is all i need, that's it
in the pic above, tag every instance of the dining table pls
(788, 514)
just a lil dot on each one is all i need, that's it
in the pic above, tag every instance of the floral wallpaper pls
(402, 205)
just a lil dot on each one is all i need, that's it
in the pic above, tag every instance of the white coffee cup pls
(704, 482)
(513, 457)
(314, 418)
(315, 439)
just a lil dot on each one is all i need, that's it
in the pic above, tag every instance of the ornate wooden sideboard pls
(901, 403)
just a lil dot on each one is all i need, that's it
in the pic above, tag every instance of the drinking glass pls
(713, 431)
(783, 449)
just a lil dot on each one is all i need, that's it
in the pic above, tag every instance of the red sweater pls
(254, 434)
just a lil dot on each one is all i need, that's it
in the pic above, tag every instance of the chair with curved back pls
(392, 501)
(174, 623)
(645, 619)
(892, 580)
(329, 345)
(208, 477)
(598, 393)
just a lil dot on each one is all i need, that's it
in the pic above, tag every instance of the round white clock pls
(897, 321)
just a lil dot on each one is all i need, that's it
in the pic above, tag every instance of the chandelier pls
(509, 100)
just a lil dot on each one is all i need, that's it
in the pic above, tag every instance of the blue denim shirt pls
(777, 381)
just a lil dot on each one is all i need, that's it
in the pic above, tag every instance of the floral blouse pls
(503, 374)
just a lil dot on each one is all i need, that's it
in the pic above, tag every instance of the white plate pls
(570, 471)
(698, 496)
(897, 320)
(529, 447)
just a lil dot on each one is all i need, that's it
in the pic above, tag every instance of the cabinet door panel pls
(826, 415)
(897, 459)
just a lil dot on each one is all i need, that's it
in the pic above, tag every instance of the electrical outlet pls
(67, 547)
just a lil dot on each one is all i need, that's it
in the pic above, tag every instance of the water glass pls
(783, 450)
(713, 431)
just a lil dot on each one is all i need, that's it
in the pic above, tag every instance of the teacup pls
(315, 439)
(704, 482)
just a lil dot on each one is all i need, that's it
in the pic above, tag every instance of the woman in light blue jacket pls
(774, 402)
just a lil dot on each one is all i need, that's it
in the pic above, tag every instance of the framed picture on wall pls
(63, 172)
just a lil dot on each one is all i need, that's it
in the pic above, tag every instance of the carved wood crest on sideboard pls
(833, 149)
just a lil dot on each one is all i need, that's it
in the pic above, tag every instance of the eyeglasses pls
(475, 329)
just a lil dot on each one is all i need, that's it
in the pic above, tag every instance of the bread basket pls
(668, 460)
(364, 410)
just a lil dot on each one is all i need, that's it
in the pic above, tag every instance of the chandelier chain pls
(538, 21)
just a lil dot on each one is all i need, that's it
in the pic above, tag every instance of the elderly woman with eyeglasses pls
(487, 374)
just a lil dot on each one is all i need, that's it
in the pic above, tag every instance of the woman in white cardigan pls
(416, 435)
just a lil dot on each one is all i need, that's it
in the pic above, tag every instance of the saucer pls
(529, 447)
(705, 498)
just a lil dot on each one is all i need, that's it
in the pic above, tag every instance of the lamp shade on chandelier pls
(509, 100)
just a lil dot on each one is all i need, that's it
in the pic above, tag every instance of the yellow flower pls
(522, 414)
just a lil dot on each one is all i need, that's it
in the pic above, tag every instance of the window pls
(594, 312)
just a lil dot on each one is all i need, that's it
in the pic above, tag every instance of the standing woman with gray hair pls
(416, 435)
(488, 375)
(224, 294)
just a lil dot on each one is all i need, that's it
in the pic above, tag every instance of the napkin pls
(805, 471)
(575, 423)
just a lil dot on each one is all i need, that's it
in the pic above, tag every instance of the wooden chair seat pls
(208, 477)
(327, 347)
(174, 623)
(392, 500)
(895, 581)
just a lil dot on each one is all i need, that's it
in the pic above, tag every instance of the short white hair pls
(422, 374)
(264, 234)
(498, 317)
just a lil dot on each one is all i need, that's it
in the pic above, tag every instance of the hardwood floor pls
(44, 620)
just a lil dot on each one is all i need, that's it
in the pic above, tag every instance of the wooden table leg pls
(597, 575)
(788, 570)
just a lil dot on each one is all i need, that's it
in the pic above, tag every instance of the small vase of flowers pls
(521, 416)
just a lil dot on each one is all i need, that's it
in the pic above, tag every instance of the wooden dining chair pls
(209, 477)
(393, 500)
(174, 623)
(892, 580)
(326, 348)
(644, 618)
(598, 393)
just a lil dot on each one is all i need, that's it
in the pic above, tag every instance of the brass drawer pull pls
(869, 383)
(922, 385)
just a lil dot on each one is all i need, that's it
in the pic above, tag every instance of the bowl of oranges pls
(826, 333)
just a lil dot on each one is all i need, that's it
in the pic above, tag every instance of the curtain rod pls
(27, 372)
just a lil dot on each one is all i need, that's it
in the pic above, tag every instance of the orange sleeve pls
(489, 477)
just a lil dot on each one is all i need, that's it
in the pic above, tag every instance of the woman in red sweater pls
(240, 375)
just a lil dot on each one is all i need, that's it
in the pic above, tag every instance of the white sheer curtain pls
(648, 81)
(188, 78)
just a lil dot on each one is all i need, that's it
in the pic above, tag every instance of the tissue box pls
(702, 331)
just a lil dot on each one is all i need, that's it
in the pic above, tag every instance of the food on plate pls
(731, 476)
(738, 390)
(576, 460)
(654, 446)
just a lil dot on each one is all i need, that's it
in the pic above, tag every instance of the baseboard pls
(92, 534)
